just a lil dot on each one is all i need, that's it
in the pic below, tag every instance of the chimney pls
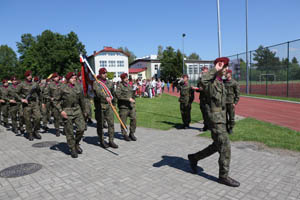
(94, 52)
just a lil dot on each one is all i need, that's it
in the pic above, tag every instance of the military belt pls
(217, 109)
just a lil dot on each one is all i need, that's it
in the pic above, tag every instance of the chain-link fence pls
(273, 71)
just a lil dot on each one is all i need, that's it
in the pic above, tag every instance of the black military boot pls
(78, 149)
(229, 182)
(132, 136)
(204, 128)
(30, 136)
(22, 131)
(126, 137)
(15, 130)
(90, 121)
(57, 132)
(6, 125)
(193, 164)
(112, 144)
(37, 135)
(45, 128)
(74, 153)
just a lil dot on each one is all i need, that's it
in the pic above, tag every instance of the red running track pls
(281, 113)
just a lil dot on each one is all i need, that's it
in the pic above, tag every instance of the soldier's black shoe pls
(204, 128)
(104, 144)
(132, 137)
(193, 164)
(90, 121)
(229, 182)
(6, 125)
(14, 130)
(30, 137)
(113, 145)
(37, 135)
(45, 128)
(78, 149)
(126, 138)
(74, 153)
(57, 132)
(22, 131)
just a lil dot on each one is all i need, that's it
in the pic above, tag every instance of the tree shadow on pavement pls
(183, 165)
(63, 147)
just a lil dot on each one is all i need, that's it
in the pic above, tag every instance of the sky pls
(142, 25)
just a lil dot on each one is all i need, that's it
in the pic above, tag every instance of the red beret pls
(102, 70)
(36, 79)
(225, 60)
(54, 75)
(79, 74)
(28, 72)
(13, 78)
(4, 81)
(69, 75)
(229, 71)
(124, 75)
(185, 75)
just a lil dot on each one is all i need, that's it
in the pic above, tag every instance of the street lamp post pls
(219, 29)
(247, 62)
(183, 35)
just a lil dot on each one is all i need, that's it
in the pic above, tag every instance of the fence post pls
(250, 73)
(287, 69)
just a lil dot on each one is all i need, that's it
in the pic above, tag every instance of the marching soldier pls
(14, 104)
(214, 86)
(186, 99)
(4, 102)
(70, 104)
(51, 92)
(204, 102)
(28, 92)
(103, 109)
(44, 110)
(126, 105)
(233, 96)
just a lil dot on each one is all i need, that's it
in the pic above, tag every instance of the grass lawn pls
(272, 97)
(162, 112)
(269, 134)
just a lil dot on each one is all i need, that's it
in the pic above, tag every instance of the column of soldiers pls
(32, 102)
(219, 94)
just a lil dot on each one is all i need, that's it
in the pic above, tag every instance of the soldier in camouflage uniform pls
(103, 109)
(14, 104)
(44, 88)
(4, 102)
(186, 99)
(126, 105)
(28, 92)
(214, 86)
(69, 101)
(233, 96)
(52, 91)
(204, 102)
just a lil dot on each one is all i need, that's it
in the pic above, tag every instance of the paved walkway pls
(154, 167)
(276, 112)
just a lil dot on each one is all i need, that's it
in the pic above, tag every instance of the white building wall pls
(155, 69)
(112, 61)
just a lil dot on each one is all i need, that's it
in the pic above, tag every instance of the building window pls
(111, 53)
(140, 75)
(120, 63)
(103, 63)
(156, 67)
(111, 63)
(190, 69)
(195, 69)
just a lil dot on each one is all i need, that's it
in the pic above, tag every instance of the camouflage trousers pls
(124, 114)
(185, 110)
(32, 116)
(205, 110)
(5, 110)
(221, 144)
(78, 120)
(57, 117)
(88, 105)
(105, 113)
(230, 114)
(13, 112)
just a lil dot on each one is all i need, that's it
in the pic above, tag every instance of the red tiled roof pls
(136, 70)
(110, 49)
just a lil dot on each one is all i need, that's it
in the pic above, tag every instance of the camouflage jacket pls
(203, 96)
(216, 93)
(233, 91)
(52, 90)
(70, 99)
(4, 94)
(25, 88)
(186, 93)
(124, 92)
(12, 93)
(100, 96)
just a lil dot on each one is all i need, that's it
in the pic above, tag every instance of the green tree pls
(171, 64)
(50, 52)
(8, 62)
(266, 59)
(294, 60)
(110, 75)
(132, 57)
(194, 56)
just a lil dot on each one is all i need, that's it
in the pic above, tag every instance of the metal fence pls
(273, 70)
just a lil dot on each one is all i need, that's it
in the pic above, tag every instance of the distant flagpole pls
(219, 29)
